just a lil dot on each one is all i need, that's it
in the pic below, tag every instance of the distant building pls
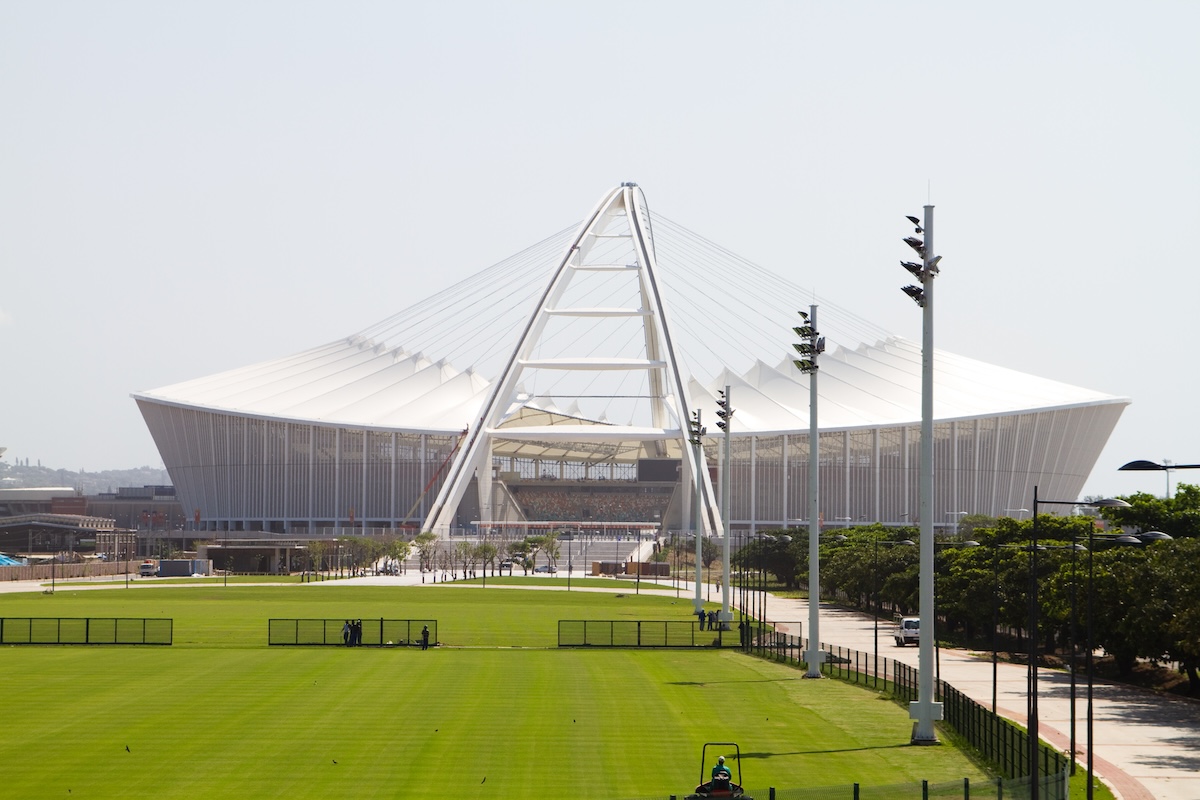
(59, 519)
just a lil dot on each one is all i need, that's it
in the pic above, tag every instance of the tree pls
(1176, 587)
(969, 523)
(515, 552)
(552, 548)
(1114, 594)
(531, 546)
(398, 549)
(773, 552)
(485, 554)
(1178, 516)
(426, 543)
(464, 555)
(316, 554)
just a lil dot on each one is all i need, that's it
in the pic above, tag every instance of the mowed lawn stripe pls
(225, 715)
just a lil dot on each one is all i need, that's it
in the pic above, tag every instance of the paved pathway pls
(1147, 746)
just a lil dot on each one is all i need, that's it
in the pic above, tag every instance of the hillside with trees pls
(24, 474)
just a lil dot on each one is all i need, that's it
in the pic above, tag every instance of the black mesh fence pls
(999, 740)
(642, 633)
(86, 630)
(1052, 787)
(374, 632)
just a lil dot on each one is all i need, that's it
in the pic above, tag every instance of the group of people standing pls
(352, 634)
(712, 618)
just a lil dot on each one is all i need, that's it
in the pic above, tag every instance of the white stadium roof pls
(431, 367)
(358, 383)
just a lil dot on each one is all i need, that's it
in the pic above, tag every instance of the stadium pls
(557, 388)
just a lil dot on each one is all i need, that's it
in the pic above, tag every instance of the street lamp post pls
(1032, 699)
(1145, 538)
(675, 563)
(570, 557)
(958, 515)
(925, 711)
(1074, 547)
(995, 615)
(936, 645)
(1142, 465)
(875, 610)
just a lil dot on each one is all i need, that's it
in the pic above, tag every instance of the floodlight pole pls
(726, 486)
(696, 436)
(925, 712)
(814, 656)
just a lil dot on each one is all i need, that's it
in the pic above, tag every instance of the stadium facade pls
(557, 387)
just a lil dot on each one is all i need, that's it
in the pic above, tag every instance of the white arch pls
(620, 215)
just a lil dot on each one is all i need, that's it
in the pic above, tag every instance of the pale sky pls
(186, 188)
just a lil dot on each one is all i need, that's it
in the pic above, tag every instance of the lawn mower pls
(720, 779)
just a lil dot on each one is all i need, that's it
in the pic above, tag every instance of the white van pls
(908, 629)
(148, 569)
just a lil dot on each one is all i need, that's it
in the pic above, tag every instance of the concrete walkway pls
(1147, 746)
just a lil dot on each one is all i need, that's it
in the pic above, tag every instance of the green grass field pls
(498, 711)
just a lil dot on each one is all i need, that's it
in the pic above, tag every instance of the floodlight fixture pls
(916, 293)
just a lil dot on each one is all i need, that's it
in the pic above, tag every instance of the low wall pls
(47, 572)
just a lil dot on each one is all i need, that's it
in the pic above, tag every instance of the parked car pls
(545, 568)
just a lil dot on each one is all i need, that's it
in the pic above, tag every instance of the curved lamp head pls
(1109, 502)
(1141, 465)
